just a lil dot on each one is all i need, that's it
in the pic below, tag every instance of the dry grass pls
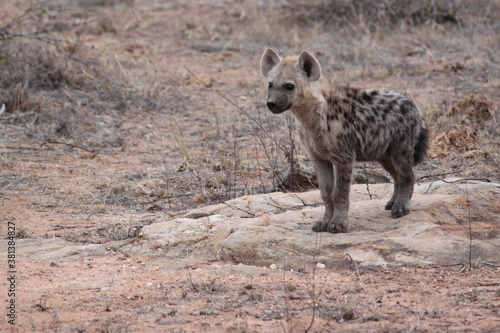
(45, 69)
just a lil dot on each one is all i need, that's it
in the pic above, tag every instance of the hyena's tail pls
(421, 146)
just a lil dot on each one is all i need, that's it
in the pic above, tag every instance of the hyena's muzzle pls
(276, 103)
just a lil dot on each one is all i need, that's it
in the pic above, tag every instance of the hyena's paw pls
(320, 226)
(388, 206)
(398, 209)
(338, 224)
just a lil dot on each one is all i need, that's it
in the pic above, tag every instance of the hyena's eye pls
(270, 85)
(289, 87)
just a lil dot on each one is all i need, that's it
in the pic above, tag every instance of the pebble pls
(320, 265)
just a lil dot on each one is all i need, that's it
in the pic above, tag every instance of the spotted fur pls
(341, 125)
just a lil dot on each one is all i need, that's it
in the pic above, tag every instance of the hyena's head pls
(288, 78)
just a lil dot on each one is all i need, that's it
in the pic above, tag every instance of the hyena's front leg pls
(340, 198)
(324, 171)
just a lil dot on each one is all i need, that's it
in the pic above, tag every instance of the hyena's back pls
(374, 124)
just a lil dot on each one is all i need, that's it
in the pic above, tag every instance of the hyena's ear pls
(268, 61)
(309, 64)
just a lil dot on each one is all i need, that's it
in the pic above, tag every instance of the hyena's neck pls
(309, 109)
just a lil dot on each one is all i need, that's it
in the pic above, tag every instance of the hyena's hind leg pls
(401, 170)
(324, 170)
(389, 166)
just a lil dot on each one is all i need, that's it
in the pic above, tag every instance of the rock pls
(370, 177)
(300, 178)
(55, 249)
(275, 229)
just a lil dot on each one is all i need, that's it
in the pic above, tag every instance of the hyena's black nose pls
(271, 104)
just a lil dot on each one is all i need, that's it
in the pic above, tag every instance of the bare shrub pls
(475, 108)
(341, 12)
(58, 87)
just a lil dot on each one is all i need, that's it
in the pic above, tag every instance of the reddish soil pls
(128, 294)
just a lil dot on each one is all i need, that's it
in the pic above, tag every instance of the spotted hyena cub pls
(340, 125)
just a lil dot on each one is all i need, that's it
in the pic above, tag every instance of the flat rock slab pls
(54, 249)
(450, 221)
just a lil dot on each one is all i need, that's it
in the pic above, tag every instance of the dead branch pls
(454, 182)
(367, 182)
(470, 225)
(6, 32)
(55, 42)
(240, 209)
(17, 20)
(439, 175)
(239, 109)
(71, 145)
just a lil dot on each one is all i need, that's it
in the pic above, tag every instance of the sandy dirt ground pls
(165, 113)
(130, 294)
